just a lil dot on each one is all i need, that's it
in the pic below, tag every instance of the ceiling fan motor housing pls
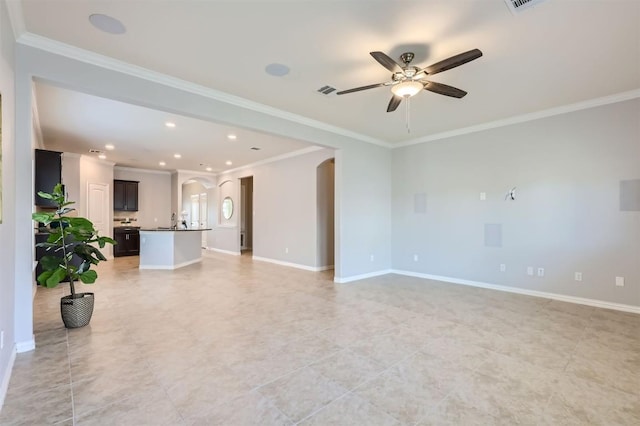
(407, 57)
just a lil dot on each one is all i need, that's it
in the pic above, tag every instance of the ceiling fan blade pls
(386, 61)
(393, 103)
(357, 89)
(443, 89)
(454, 61)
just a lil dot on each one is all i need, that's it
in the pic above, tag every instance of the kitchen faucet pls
(174, 222)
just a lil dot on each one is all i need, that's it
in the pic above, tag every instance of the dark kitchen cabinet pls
(125, 195)
(48, 173)
(128, 241)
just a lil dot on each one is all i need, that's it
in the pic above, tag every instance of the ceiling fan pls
(407, 80)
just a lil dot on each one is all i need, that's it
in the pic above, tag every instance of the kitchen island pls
(166, 248)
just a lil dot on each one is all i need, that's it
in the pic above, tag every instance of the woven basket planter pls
(76, 310)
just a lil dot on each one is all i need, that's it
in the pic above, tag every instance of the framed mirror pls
(227, 208)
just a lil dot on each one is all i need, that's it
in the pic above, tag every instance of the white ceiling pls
(557, 53)
(76, 122)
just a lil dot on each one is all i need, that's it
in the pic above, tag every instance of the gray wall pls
(284, 207)
(363, 228)
(7, 192)
(154, 196)
(566, 217)
(364, 218)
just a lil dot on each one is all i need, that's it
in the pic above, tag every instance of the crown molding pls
(16, 17)
(82, 55)
(196, 172)
(592, 103)
(297, 153)
(137, 170)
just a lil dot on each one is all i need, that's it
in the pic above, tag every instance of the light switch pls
(620, 281)
(483, 196)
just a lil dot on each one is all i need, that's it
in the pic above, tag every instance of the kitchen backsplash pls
(122, 218)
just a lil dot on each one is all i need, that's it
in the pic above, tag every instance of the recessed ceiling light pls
(228, 163)
(107, 24)
(110, 147)
(232, 137)
(177, 156)
(277, 70)
(102, 157)
(170, 124)
(162, 163)
(208, 169)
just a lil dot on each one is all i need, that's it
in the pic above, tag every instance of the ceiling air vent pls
(326, 90)
(516, 6)
(96, 151)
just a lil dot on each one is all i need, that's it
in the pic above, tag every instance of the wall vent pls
(517, 6)
(96, 151)
(326, 90)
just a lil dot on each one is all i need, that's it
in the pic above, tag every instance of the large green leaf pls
(43, 277)
(43, 217)
(45, 195)
(88, 277)
(49, 263)
(102, 241)
(55, 278)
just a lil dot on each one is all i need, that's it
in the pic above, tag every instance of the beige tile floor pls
(231, 341)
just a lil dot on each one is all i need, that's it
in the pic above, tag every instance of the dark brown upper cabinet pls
(48, 173)
(125, 195)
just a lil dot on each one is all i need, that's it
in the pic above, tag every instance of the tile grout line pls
(73, 405)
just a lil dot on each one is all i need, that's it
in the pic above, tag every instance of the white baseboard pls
(342, 280)
(291, 264)
(4, 384)
(234, 253)
(326, 268)
(176, 266)
(27, 346)
(546, 295)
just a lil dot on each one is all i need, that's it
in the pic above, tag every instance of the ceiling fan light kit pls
(407, 80)
(407, 89)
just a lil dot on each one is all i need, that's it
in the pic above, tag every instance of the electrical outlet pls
(1, 339)
(620, 281)
(530, 270)
(371, 258)
(577, 276)
(415, 257)
(541, 272)
(503, 267)
(483, 196)
(286, 249)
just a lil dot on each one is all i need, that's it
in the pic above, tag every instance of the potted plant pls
(70, 238)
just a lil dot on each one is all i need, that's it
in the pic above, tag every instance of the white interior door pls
(204, 214)
(195, 211)
(98, 208)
